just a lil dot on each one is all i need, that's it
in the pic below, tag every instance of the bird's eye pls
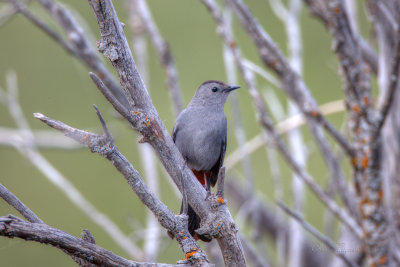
(214, 89)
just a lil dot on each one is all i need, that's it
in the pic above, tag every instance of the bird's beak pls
(231, 88)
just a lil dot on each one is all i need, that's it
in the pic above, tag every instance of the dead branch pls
(104, 145)
(144, 118)
(317, 234)
(164, 54)
(13, 227)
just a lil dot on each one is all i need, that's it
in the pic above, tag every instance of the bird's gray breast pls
(199, 136)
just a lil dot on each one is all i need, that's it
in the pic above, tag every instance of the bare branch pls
(302, 174)
(144, 118)
(11, 199)
(152, 240)
(79, 45)
(292, 84)
(104, 146)
(252, 254)
(267, 223)
(326, 241)
(318, 8)
(231, 74)
(393, 86)
(266, 122)
(282, 127)
(42, 139)
(13, 227)
(164, 54)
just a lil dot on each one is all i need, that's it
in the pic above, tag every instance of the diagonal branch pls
(164, 54)
(387, 102)
(104, 145)
(325, 240)
(78, 45)
(13, 227)
(144, 118)
(318, 9)
(293, 86)
(11, 199)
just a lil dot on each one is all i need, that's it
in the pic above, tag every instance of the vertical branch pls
(386, 20)
(293, 33)
(152, 231)
(240, 134)
(367, 168)
(164, 54)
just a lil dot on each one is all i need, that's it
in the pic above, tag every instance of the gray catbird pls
(200, 135)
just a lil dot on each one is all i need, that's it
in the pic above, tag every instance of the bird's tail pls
(194, 224)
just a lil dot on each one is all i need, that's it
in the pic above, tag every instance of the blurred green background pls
(56, 84)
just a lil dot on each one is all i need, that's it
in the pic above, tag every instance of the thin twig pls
(325, 240)
(79, 45)
(292, 84)
(268, 224)
(231, 74)
(393, 86)
(252, 254)
(164, 54)
(151, 236)
(297, 146)
(282, 127)
(43, 139)
(13, 227)
(11, 199)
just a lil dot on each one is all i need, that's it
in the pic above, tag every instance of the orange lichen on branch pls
(336, 10)
(383, 260)
(220, 200)
(364, 162)
(366, 101)
(314, 113)
(356, 108)
(190, 254)
(367, 69)
(273, 63)
(363, 141)
(380, 195)
(232, 44)
(354, 161)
